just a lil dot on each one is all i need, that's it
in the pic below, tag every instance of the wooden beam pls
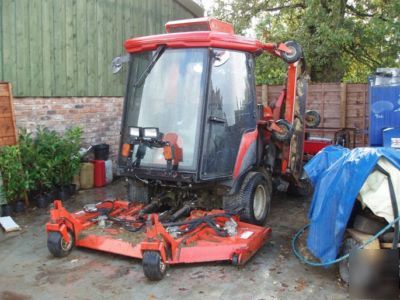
(343, 104)
(264, 94)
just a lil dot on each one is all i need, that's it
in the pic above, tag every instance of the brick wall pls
(100, 118)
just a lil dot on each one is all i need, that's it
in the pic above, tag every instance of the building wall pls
(99, 117)
(62, 48)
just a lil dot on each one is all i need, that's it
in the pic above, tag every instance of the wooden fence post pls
(343, 104)
(264, 94)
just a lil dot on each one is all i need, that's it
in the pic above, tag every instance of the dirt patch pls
(63, 274)
(120, 272)
(7, 295)
(114, 232)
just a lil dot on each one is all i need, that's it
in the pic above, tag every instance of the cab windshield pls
(168, 97)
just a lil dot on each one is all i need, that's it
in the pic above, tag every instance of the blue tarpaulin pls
(337, 175)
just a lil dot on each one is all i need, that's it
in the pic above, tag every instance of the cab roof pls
(199, 32)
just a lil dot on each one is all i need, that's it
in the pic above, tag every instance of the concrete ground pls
(28, 271)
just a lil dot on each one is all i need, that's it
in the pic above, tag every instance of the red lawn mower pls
(200, 155)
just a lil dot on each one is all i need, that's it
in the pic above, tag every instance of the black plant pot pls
(72, 189)
(51, 196)
(32, 195)
(19, 207)
(64, 193)
(56, 193)
(42, 201)
(6, 210)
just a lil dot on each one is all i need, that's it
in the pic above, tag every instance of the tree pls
(343, 40)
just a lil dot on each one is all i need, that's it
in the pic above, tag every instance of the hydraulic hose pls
(207, 220)
(339, 259)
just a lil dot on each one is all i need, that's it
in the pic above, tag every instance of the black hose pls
(104, 211)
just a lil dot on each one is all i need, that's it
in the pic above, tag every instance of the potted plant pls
(29, 160)
(72, 140)
(16, 183)
(64, 160)
(6, 209)
(44, 167)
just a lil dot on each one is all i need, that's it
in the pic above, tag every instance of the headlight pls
(150, 133)
(134, 131)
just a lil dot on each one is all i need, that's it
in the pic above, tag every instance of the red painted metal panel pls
(200, 245)
(199, 39)
(247, 139)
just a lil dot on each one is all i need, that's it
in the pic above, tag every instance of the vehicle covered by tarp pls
(339, 175)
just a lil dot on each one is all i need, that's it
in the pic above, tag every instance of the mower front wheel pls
(57, 245)
(153, 266)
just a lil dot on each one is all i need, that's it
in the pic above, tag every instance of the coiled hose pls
(331, 262)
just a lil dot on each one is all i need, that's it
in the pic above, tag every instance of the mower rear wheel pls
(296, 52)
(57, 245)
(153, 266)
(253, 201)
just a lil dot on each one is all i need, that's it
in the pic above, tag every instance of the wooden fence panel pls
(8, 132)
(340, 105)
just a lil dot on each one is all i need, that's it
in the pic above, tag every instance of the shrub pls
(16, 180)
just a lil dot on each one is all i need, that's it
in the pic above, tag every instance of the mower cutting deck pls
(124, 228)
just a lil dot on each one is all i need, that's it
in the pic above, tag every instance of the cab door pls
(231, 111)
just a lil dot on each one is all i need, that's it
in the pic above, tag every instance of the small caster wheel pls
(296, 52)
(57, 245)
(312, 118)
(235, 260)
(153, 266)
(287, 131)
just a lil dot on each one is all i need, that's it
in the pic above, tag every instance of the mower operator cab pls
(191, 128)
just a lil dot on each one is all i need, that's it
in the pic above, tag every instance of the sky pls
(207, 4)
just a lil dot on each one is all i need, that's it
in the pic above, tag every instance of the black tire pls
(344, 268)
(287, 131)
(57, 245)
(235, 260)
(312, 119)
(255, 187)
(153, 266)
(137, 192)
(303, 189)
(296, 54)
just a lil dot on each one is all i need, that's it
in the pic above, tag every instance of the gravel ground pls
(28, 271)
